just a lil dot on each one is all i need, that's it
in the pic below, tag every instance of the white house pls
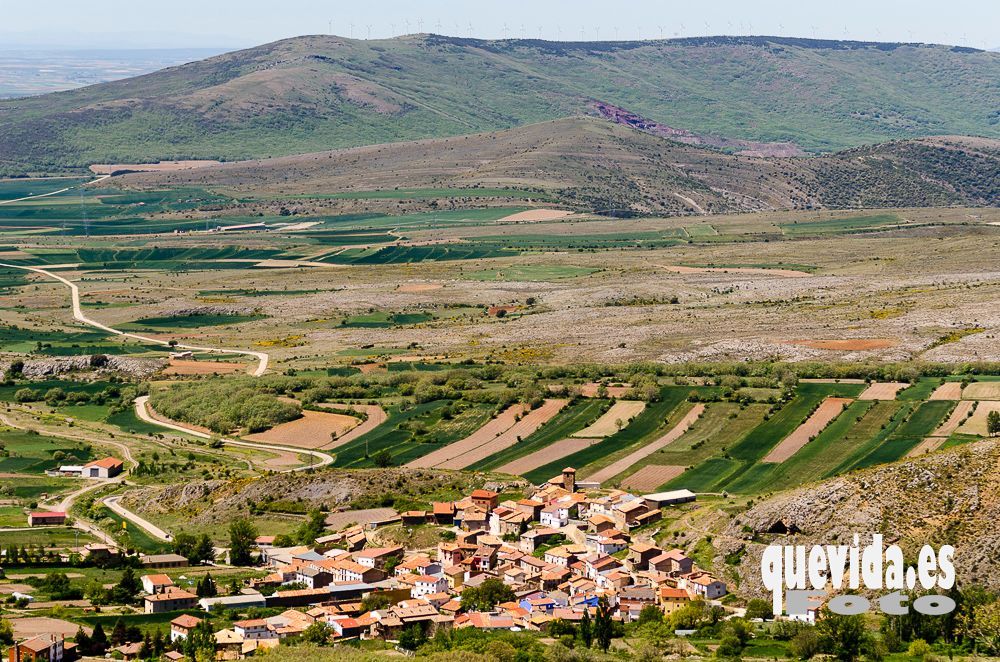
(181, 626)
(702, 584)
(428, 585)
(153, 584)
(256, 628)
(555, 516)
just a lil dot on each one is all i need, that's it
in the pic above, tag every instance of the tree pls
(487, 595)
(382, 459)
(758, 608)
(312, 528)
(7, 632)
(316, 633)
(650, 614)
(206, 587)
(82, 639)
(841, 635)
(586, 631)
(805, 644)
(374, 601)
(98, 641)
(993, 423)
(242, 538)
(412, 637)
(119, 634)
(603, 627)
(128, 586)
(204, 550)
(919, 649)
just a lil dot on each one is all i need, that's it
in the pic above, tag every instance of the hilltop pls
(594, 164)
(321, 92)
(947, 497)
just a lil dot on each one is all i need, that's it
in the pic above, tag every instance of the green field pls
(186, 322)
(413, 432)
(530, 273)
(29, 453)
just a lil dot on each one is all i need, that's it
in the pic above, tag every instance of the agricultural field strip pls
(323, 459)
(828, 410)
(376, 417)
(527, 425)
(633, 458)
(493, 429)
(45, 195)
(882, 391)
(651, 476)
(544, 456)
(620, 413)
(262, 357)
(976, 424)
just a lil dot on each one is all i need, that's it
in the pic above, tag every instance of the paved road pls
(261, 357)
(153, 530)
(323, 459)
(45, 195)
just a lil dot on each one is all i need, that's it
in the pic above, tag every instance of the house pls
(153, 584)
(313, 577)
(672, 599)
(640, 554)
(264, 542)
(420, 565)
(428, 585)
(255, 628)
(44, 518)
(443, 512)
(703, 585)
(127, 652)
(532, 507)
(414, 517)
(181, 626)
(485, 499)
(629, 511)
(109, 467)
(47, 647)
(378, 557)
(472, 518)
(163, 561)
(555, 516)
(170, 600)
(454, 576)
(228, 645)
(673, 562)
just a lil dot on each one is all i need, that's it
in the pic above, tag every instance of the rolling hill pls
(323, 92)
(595, 164)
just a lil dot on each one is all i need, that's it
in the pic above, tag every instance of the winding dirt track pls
(78, 315)
(142, 411)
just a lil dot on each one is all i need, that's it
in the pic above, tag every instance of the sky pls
(242, 23)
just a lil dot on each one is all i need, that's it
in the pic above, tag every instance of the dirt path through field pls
(460, 457)
(828, 410)
(615, 468)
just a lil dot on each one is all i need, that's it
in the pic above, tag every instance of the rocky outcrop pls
(951, 497)
(60, 365)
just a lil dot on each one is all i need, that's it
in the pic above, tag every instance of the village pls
(564, 555)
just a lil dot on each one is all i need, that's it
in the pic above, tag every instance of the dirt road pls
(78, 315)
(153, 530)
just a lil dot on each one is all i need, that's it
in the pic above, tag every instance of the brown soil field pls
(882, 391)
(590, 390)
(312, 430)
(185, 367)
(530, 422)
(947, 391)
(536, 215)
(982, 391)
(623, 410)
(615, 468)
(550, 453)
(848, 345)
(376, 417)
(828, 410)
(367, 368)
(7, 589)
(337, 521)
(31, 627)
(651, 477)
(749, 271)
(162, 166)
(414, 288)
(977, 424)
(928, 445)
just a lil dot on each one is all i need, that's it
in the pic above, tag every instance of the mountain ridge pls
(319, 92)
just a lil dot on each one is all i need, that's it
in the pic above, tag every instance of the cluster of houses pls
(559, 551)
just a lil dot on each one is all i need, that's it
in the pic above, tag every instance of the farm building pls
(109, 467)
(673, 498)
(46, 519)
(171, 600)
(163, 561)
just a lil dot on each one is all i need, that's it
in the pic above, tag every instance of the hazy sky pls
(235, 23)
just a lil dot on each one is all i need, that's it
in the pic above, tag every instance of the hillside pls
(595, 164)
(322, 92)
(948, 497)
